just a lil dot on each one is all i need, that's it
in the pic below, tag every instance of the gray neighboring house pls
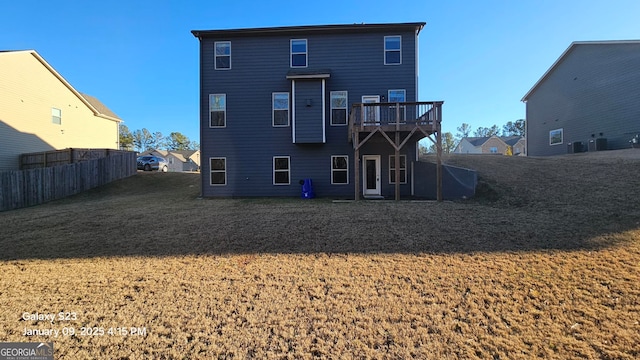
(588, 100)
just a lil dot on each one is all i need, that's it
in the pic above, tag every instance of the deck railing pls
(398, 123)
(422, 113)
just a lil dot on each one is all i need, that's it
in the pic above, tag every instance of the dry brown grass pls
(543, 263)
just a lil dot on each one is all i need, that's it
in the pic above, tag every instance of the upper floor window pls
(217, 110)
(298, 52)
(223, 55)
(392, 50)
(493, 149)
(280, 109)
(56, 116)
(338, 108)
(397, 96)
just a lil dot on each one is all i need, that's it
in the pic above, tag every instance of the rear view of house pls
(41, 111)
(336, 104)
(588, 100)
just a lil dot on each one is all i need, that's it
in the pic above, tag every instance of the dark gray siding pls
(259, 67)
(457, 183)
(593, 92)
(308, 120)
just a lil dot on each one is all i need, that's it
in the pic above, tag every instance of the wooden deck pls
(397, 123)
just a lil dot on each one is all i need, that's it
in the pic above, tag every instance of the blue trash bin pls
(307, 189)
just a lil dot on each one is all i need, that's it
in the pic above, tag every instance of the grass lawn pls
(544, 262)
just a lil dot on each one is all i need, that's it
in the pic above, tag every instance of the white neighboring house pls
(491, 145)
(184, 160)
(41, 111)
(470, 145)
(179, 160)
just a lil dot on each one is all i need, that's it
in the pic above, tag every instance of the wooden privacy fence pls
(62, 157)
(30, 187)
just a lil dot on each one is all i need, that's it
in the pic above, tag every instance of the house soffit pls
(308, 74)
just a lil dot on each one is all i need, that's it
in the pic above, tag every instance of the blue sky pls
(140, 59)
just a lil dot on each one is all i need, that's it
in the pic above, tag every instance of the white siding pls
(28, 92)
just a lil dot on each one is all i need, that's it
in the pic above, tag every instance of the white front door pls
(371, 175)
(371, 113)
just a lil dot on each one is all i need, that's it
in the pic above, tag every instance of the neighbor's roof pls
(511, 140)
(289, 30)
(152, 151)
(184, 153)
(479, 141)
(567, 52)
(177, 156)
(91, 102)
(98, 105)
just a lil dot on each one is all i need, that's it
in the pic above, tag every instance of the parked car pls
(150, 162)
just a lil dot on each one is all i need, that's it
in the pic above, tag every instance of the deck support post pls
(356, 162)
(428, 122)
(397, 170)
(438, 124)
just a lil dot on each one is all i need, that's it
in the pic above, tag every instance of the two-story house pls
(588, 100)
(41, 111)
(336, 104)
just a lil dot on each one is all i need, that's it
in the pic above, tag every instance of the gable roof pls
(184, 153)
(291, 30)
(511, 140)
(479, 141)
(98, 105)
(177, 156)
(91, 102)
(163, 153)
(566, 53)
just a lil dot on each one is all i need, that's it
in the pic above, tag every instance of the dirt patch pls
(543, 263)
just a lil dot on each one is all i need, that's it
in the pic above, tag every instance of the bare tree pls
(514, 128)
(142, 140)
(158, 141)
(463, 131)
(126, 138)
(487, 132)
(448, 144)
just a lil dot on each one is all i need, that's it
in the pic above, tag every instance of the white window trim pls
(403, 108)
(215, 55)
(347, 169)
(306, 53)
(59, 116)
(346, 108)
(274, 169)
(398, 169)
(561, 137)
(273, 109)
(211, 171)
(225, 111)
(385, 49)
